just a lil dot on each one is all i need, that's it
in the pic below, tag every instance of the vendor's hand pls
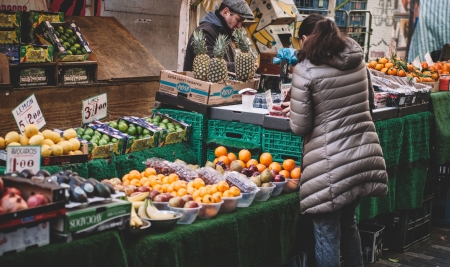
(287, 110)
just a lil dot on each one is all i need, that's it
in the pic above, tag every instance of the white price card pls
(417, 63)
(19, 158)
(269, 100)
(28, 112)
(94, 108)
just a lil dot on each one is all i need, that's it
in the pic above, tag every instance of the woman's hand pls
(287, 110)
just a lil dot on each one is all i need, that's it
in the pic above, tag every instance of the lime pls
(122, 121)
(69, 32)
(79, 136)
(145, 132)
(57, 34)
(83, 50)
(97, 133)
(149, 120)
(62, 38)
(105, 137)
(89, 131)
(170, 130)
(102, 142)
(114, 140)
(95, 138)
(79, 52)
(179, 130)
(139, 129)
(73, 49)
(131, 131)
(94, 144)
(165, 121)
(131, 125)
(147, 136)
(80, 130)
(162, 125)
(86, 137)
(77, 46)
(60, 28)
(122, 127)
(140, 136)
(113, 124)
(69, 52)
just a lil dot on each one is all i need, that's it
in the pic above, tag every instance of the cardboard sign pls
(94, 108)
(28, 112)
(269, 99)
(19, 158)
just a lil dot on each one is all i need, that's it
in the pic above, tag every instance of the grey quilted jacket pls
(342, 156)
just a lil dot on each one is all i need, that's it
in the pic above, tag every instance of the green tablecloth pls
(103, 249)
(441, 109)
(264, 234)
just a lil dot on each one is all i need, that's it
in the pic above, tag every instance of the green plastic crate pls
(234, 130)
(196, 120)
(211, 156)
(198, 148)
(282, 145)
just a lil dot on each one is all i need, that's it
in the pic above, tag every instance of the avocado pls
(102, 191)
(62, 179)
(44, 173)
(110, 187)
(74, 181)
(77, 194)
(88, 188)
(93, 181)
(27, 174)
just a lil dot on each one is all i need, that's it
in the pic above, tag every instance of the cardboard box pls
(239, 113)
(106, 151)
(94, 218)
(36, 53)
(273, 12)
(183, 85)
(173, 137)
(16, 240)
(10, 36)
(37, 17)
(47, 34)
(54, 209)
(434, 86)
(276, 123)
(12, 52)
(267, 67)
(10, 19)
(157, 134)
(297, 23)
(33, 76)
(182, 103)
(274, 37)
(77, 75)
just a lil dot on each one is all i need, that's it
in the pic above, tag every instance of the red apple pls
(2, 186)
(144, 188)
(154, 193)
(176, 202)
(187, 198)
(191, 204)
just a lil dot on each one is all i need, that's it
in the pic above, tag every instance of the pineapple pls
(218, 71)
(201, 61)
(244, 61)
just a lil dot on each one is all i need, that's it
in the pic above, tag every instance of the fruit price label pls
(94, 108)
(19, 158)
(28, 112)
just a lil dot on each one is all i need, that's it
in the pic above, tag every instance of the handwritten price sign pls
(28, 112)
(94, 108)
(20, 158)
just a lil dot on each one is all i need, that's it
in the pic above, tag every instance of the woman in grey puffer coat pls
(342, 156)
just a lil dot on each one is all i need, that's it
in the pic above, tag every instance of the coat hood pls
(350, 58)
(211, 18)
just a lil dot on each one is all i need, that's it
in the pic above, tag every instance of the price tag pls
(28, 112)
(269, 99)
(19, 158)
(429, 59)
(392, 48)
(94, 108)
(417, 63)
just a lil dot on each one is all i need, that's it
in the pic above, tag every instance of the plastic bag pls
(161, 166)
(183, 171)
(210, 176)
(240, 181)
(289, 54)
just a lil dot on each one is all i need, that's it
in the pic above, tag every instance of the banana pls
(161, 216)
(137, 204)
(135, 218)
(138, 197)
(142, 210)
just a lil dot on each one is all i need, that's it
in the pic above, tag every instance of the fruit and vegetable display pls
(53, 143)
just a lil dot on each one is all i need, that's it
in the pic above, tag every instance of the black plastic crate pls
(371, 241)
(312, 4)
(411, 227)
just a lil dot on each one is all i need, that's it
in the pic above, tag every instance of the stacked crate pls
(312, 7)
(356, 20)
(441, 202)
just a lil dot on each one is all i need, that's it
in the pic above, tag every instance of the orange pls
(181, 192)
(265, 158)
(261, 167)
(244, 155)
(296, 173)
(384, 70)
(231, 156)
(285, 173)
(220, 151)
(165, 179)
(401, 73)
(227, 193)
(125, 177)
(135, 182)
(379, 66)
(173, 177)
(382, 60)
(190, 190)
(432, 68)
(388, 65)
(372, 64)
(215, 160)
(126, 182)
(196, 194)
(222, 186)
(142, 174)
(250, 162)
(160, 176)
(235, 191)
(134, 175)
(149, 171)
(445, 67)
(392, 71)
(198, 182)
(225, 160)
(158, 187)
(241, 162)
(410, 67)
(424, 65)
(275, 166)
(147, 183)
(289, 164)
(214, 189)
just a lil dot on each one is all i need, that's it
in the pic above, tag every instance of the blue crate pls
(304, 11)
(441, 205)
(312, 4)
(352, 5)
(357, 20)
(340, 18)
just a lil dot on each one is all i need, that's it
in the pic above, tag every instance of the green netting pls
(372, 206)
(390, 133)
(410, 186)
(441, 110)
(416, 137)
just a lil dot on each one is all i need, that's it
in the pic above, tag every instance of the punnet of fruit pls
(397, 67)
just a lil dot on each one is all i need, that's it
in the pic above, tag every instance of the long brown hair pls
(325, 42)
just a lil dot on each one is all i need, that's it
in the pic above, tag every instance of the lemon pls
(31, 130)
(71, 153)
(57, 150)
(46, 151)
(66, 146)
(47, 134)
(13, 144)
(78, 152)
(56, 137)
(2, 143)
(69, 134)
(48, 142)
(75, 144)
(12, 137)
(24, 140)
(36, 140)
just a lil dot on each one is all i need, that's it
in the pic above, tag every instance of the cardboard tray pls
(53, 160)
(384, 113)
(53, 210)
(277, 123)
(239, 113)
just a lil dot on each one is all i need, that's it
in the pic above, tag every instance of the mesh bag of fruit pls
(210, 176)
(241, 181)
(183, 171)
(161, 166)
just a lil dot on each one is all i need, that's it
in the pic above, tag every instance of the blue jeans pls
(336, 233)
